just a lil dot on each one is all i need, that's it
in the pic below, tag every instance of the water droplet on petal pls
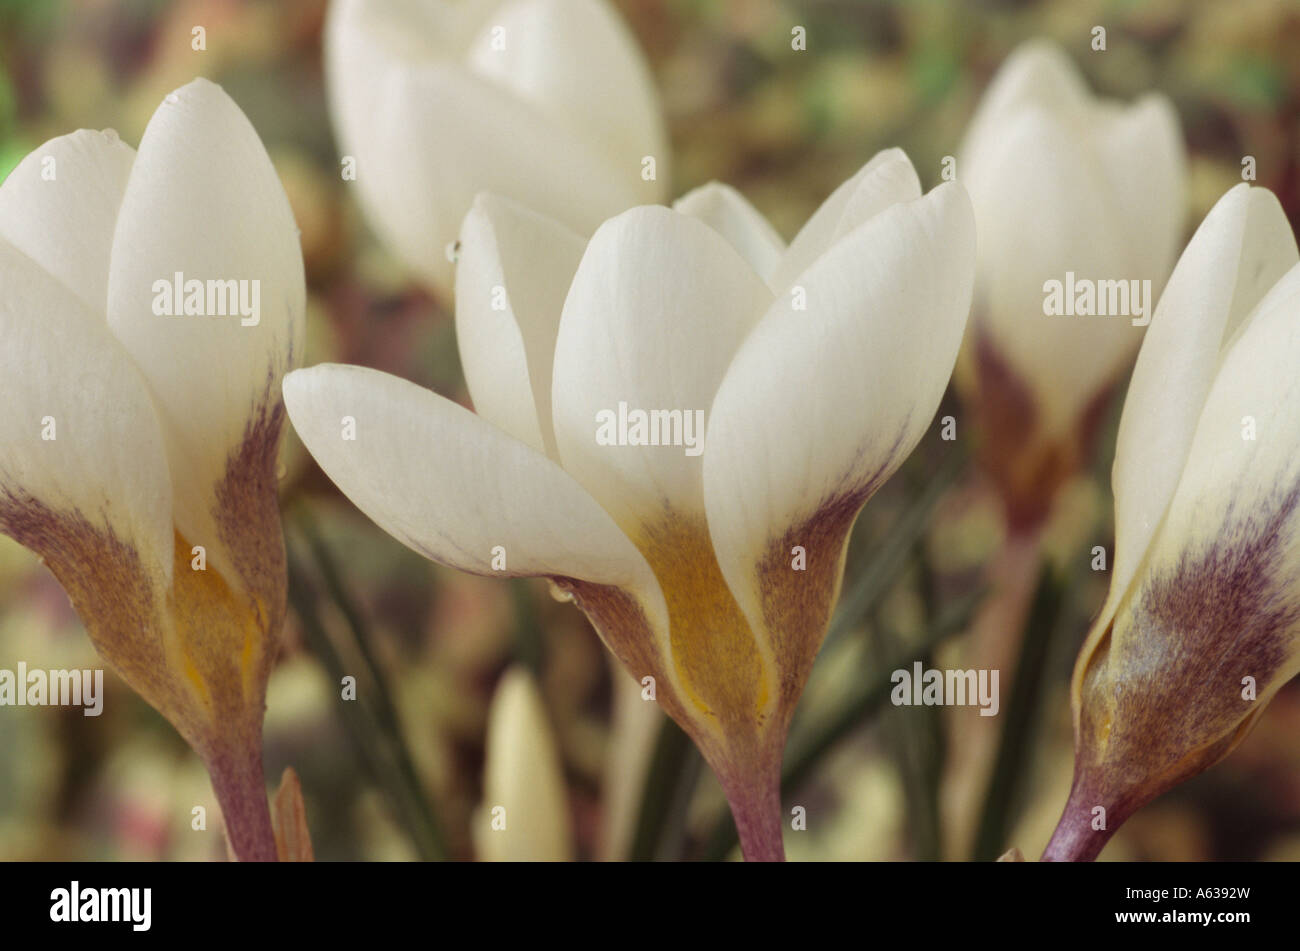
(453, 252)
(110, 136)
(173, 98)
(558, 593)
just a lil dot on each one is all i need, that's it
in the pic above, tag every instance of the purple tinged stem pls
(240, 785)
(756, 808)
(1075, 839)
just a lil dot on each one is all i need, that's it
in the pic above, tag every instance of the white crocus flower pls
(1074, 189)
(1202, 623)
(139, 449)
(547, 101)
(524, 815)
(710, 576)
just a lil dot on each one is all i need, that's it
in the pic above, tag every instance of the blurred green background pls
(397, 775)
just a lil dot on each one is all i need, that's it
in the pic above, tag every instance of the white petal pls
(524, 778)
(1044, 208)
(889, 178)
(578, 63)
(1230, 478)
(1220, 586)
(204, 201)
(727, 212)
(1239, 252)
(1037, 74)
(821, 406)
(451, 486)
(427, 134)
(59, 207)
(513, 274)
(1153, 203)
(656, 311)
(67, 378)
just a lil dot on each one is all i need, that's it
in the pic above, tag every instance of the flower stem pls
(756, 809)
(1075, 839)
(240, 785)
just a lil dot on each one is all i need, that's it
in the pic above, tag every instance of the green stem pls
(674, 765)
(369, 729)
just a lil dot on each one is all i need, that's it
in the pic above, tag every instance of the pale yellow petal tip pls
(1012, 854)
(289, 817)
(524, 815)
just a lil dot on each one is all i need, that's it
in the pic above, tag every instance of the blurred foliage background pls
(397, 774)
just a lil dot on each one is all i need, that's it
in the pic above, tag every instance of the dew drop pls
(173, 98)
(110, 136)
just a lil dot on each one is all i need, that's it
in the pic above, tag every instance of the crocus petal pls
(889, 178)
(83, 449)
(576, 61)
(727, 212)
(1151, 205)
(1240, 251)
(1038, 73)
(657, 308)
(461, 492)
(83, 478)
(1208, 631)
(1043, 209)
(524, 816)
(513, 274)
(393, 100)
(451, 486)
(862, 371)
(204, 202)
(59, 207)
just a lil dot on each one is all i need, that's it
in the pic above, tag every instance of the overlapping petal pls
(59, 207)
(730, 214)
(203, 201)
(84, 454)
(1238, 253)
(514, 272)
(657, 308)
(820, 406)
(887, 179)
(1210, 628)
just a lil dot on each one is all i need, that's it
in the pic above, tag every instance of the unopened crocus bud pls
(1079, 208)
(150, 303)
(1202, 622)
(524, 816)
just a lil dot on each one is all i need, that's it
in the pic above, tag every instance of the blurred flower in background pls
(1066, 187)
(549, 102)
(398, 772)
